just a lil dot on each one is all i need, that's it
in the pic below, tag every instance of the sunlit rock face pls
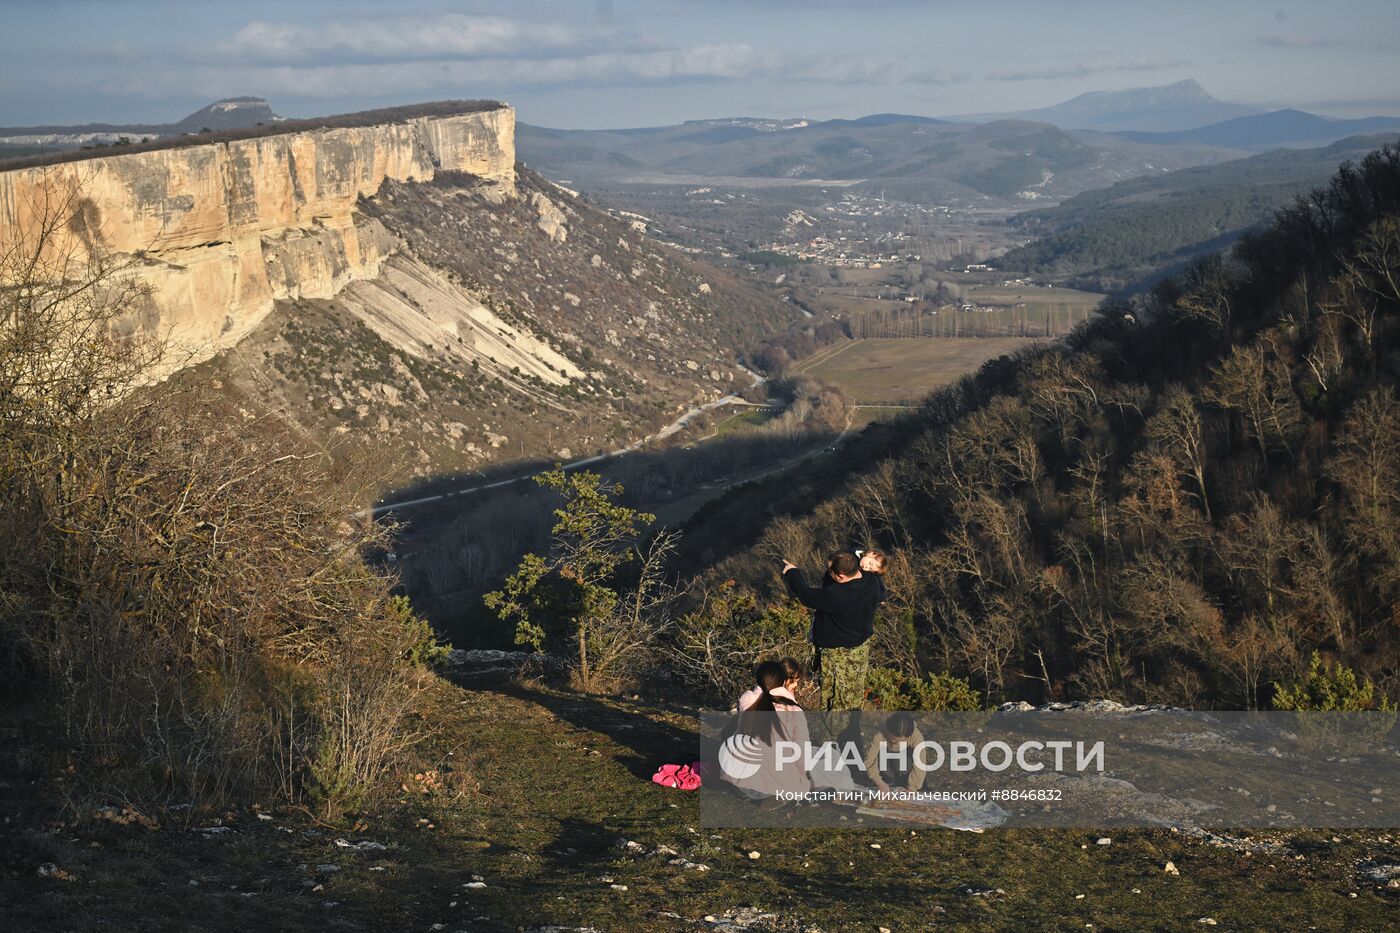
(221, 231)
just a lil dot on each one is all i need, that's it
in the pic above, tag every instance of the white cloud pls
(1288, 40)
(1294, 41)
(462, 77)
(453, 50)
(1081, 70)
(469, 55)
(405, 38)
(939, 76)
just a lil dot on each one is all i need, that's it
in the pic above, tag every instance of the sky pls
(617, 63)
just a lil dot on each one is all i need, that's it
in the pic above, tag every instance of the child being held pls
(889, 759)
(872, 566)
(872, 572)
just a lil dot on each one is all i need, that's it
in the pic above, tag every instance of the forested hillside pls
(1180, 503)
(1128, 235)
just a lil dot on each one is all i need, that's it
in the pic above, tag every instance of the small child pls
(899, 735)
(872, 571)
(873, 561)
(793, 669)
(872, 566)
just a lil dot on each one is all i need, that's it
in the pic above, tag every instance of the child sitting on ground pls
(787, 724)
(782, 691)
(898, 736)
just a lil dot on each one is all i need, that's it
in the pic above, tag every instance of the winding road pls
(674, 427)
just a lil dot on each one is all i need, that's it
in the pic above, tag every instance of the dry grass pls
(1033, 295)
(545, 787)
(897, 370)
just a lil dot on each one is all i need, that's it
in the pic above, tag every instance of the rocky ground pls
(532, 810)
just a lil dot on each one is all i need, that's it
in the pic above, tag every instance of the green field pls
(1033, 296)
(744, 420)
(896, 370)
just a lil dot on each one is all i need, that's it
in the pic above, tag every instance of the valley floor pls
(541, 799)
(887, 370)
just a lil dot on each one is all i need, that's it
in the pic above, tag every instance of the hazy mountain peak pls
(1286, 127)
(231, 113)
(1177, 106)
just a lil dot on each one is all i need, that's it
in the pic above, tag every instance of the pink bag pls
(682, 777)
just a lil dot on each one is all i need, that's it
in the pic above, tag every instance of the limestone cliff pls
(390, 286)
(223, 230)
(501, 327)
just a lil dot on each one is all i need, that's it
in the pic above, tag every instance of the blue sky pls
(610, 63)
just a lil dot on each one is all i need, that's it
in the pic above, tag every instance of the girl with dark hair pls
(771, 716)
(781, 687)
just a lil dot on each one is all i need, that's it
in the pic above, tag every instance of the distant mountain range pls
(1269, 130)
(1012, 160)
(231, 113)
(1164, 108)
(1091, 141)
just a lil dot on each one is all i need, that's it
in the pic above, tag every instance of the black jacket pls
(875, 581)
(843, 613)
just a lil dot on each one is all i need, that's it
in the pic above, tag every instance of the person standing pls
(843, 619)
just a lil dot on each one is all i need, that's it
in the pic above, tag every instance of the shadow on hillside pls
(583, 844)
(449, 552)
(650, 477)
(646, 742)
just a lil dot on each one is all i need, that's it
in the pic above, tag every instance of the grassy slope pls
(550, 785)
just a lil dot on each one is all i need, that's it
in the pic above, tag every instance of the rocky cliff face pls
(501, 327)
(222, 231)
(388, 285)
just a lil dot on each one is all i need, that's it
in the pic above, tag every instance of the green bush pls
(1329, 687)
(716, 646)
(424, 649)
(891, 689)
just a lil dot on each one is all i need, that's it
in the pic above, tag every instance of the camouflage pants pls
(842, 677)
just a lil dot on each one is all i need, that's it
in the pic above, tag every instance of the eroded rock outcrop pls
(221, 231)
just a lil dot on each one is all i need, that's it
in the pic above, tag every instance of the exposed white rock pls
(552, 220)
(419, 312)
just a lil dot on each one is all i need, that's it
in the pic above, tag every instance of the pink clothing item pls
(681, 777)
(750, 696)
(790, 724)
(791, 706)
